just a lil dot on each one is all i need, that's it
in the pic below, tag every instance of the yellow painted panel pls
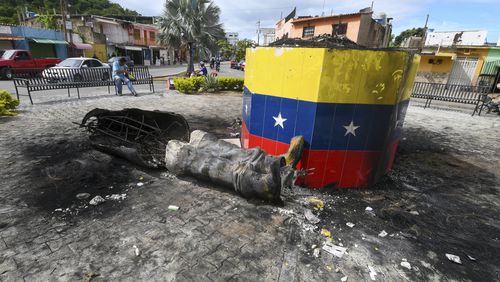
(293, 73)
(331, 75)
(362, 76)
(410, 78)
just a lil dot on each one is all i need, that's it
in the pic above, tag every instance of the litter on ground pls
(373, 273)
(311, 217)
(454, 258)
(333, 249)
(382, 234)
(97, 200)
(173, 208)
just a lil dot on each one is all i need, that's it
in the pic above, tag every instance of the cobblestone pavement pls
(215, 235)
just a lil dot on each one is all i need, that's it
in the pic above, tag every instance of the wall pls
(434, 73)
(29, 32)
(324, 25)
(115, 33)
(475, 38)
(371, 33)
(145, 39)
(283, 29)
(438, 73)
(99, 50)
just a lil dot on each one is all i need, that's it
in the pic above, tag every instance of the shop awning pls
(49, 41)
(133, 48)
(82, 46)
(11, 38)
(106, 21)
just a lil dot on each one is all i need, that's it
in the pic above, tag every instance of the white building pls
(268, 36)
(232, 37)
(456, 38)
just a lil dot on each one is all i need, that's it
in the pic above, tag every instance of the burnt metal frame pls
(132, 131)
(76, 78)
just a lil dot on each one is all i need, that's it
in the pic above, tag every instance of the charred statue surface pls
(250, 172)
(136, 135)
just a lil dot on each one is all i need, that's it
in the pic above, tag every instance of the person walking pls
(120, 75)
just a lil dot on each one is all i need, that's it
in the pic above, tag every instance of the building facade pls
(232, 37)
(456, 38)
(41, 42)
(359, 27)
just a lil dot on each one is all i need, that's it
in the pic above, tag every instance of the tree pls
(407, 34)
(193, 24)
(226, 50)
(241, 47)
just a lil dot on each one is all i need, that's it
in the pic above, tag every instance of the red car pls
(21, 61)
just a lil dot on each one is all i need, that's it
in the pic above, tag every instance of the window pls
(308, 31)
(137, 34)
(339, 29)
(87, 63)
(22, 56)
(95, 64)
(152, 36)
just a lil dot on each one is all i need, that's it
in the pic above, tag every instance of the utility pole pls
(258, 33)
(63, 18)
(424, 36)
(323, 10)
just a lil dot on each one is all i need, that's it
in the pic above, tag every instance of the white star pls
(351, 129)
(279, 121)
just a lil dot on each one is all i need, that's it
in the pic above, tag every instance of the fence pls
(463, 94)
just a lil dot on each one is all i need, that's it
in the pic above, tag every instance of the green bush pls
(231, 83)
(7, 104)
(189, 85)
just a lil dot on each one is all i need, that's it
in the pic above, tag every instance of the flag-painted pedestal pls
(348, 104)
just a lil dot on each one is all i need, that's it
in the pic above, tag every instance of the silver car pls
(78, 69)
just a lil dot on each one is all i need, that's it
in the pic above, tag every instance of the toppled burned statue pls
(250, 172)
(136, 135)
(159, 139)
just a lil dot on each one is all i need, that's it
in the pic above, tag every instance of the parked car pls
(59, 73)
(129, 62)
(234, 64)
(21, 61)
(241, 65)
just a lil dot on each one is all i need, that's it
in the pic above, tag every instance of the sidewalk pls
(441, 198)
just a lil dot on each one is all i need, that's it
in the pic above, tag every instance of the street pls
(154, 70)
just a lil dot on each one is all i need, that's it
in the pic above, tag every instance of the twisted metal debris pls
(136, 135)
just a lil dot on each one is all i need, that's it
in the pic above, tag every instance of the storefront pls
(7, 40)
(44, 48)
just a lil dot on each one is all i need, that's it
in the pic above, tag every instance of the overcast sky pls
(242, 16)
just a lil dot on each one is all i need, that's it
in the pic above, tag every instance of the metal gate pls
(463, 71)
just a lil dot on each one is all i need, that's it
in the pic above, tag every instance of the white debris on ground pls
(372, 273)
(333, 249)
(311, 217)
(97, 200)
(116, 197)
(173, 208)
(454, 258)
(137, 252)
(404, 263)
(350, 224)
(382, 234)
(343, 279)
(140, 184)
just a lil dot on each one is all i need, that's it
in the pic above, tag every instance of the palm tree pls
(193, 24)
